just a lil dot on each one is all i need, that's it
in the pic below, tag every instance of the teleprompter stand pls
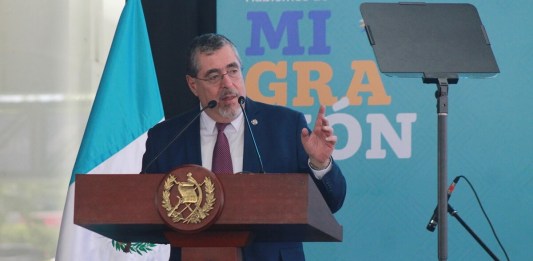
(439, 43)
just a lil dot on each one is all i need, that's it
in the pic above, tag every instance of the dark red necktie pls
(221, 153)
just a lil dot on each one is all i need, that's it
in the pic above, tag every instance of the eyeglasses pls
(215, 78)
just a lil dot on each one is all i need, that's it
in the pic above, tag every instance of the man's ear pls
(192, 84)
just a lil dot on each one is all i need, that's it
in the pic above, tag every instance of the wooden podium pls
(256, 207)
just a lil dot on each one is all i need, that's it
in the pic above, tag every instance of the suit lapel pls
(192, 147)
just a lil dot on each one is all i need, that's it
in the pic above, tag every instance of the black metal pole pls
(442, 199)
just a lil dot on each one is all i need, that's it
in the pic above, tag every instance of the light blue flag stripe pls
(127, 102)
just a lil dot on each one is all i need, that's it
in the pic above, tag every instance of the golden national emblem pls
(190, 198)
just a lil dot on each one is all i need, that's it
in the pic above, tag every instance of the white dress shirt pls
(235, 134)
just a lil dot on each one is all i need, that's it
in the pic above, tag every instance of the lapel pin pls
(254, 122)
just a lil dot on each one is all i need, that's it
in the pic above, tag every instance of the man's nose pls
(226, 80)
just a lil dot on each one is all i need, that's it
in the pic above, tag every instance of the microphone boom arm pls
(210, 105)
(241, 102)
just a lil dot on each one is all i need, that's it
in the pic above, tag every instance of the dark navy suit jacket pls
(278, 136)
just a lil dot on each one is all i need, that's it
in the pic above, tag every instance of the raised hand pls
(320, 143)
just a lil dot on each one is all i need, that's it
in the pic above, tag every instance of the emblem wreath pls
(199, 213)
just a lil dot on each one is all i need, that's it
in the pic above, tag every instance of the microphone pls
(211, 104)
(241, 103)
(434, 221)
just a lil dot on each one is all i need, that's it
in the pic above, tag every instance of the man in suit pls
(285, 143)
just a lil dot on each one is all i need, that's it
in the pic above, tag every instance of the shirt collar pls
(209, 124)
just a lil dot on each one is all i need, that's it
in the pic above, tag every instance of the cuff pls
(319, 173)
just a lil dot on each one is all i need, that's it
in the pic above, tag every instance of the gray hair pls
(206, 44)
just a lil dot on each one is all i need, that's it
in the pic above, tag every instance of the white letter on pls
(379, 125)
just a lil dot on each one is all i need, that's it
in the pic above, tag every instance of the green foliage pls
(135, 247)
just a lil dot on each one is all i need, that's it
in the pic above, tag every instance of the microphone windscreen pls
(241, 100)
(212, 104)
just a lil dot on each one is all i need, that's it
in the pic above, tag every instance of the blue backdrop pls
(301, 53)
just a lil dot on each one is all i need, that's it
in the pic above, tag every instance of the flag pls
(126, 105)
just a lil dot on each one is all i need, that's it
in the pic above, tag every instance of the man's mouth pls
(228, 97)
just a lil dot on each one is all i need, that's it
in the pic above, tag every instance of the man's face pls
(209, 84)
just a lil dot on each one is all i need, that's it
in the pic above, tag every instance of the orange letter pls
(305, 84)
(375, 85)
(279, 88)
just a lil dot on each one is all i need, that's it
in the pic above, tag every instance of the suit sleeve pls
(148, 157)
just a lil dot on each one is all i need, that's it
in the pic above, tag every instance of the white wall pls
(52, 54)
